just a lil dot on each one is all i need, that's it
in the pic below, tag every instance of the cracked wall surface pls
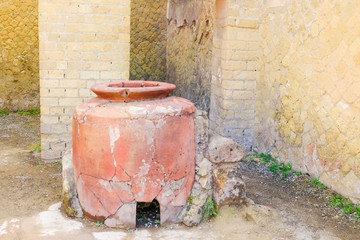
(308, 89)
(148, 40)
(19, 54)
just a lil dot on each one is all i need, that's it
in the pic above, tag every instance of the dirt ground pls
(301, 204)
(27, 186)
(282, 209)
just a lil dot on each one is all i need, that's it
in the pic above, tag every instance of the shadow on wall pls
(189, 50)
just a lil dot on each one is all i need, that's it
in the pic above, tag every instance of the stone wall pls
(19, 53)
(148, 40)
(189, 49)
(308, 89)
(81, 43)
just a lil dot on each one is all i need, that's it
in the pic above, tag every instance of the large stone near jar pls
(224, 150)
(228, 186)
(133, 144)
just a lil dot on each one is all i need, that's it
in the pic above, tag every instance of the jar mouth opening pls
(135, 84)
(127, 91)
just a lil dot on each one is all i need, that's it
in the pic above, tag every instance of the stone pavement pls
(53, 225)
(254, 222)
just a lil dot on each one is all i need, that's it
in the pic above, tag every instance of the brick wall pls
(19, 54)
(308, 89)
(236, 43)
(81, 43)
(148, 40)
(212, 53)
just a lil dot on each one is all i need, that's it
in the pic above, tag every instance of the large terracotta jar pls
(133, 144)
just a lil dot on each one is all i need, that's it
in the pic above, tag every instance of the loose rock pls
(70, 196)
(224, 150)
(229, 188)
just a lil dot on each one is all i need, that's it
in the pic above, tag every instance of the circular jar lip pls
(134, 90)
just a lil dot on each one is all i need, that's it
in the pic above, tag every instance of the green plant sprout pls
(347, 207)
(36, 147)
(4, 112)
(190, 200)
(273, 167)
(318, 184)
(209, 209)
(265, 157)
(285, 169)
(31, 111)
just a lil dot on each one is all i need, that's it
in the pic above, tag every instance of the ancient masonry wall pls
(236, 44)
(19, 54)
(148, 40)
(189, 49)
(82, 42)
(308, 89)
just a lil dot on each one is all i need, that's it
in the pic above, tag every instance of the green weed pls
(57, 163)
(273, 167)
(36, 147)
(357, 211)
(190, 200)
(31, 111)
(297, 173)
(99, 224)
(209, 209)
(265, 157)
(285, 169)
(345, 206)
(4, 112)
(318, 184)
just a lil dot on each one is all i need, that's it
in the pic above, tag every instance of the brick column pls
(236, 42)
(81, 43)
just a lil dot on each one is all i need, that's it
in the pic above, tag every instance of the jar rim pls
(134, 90)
